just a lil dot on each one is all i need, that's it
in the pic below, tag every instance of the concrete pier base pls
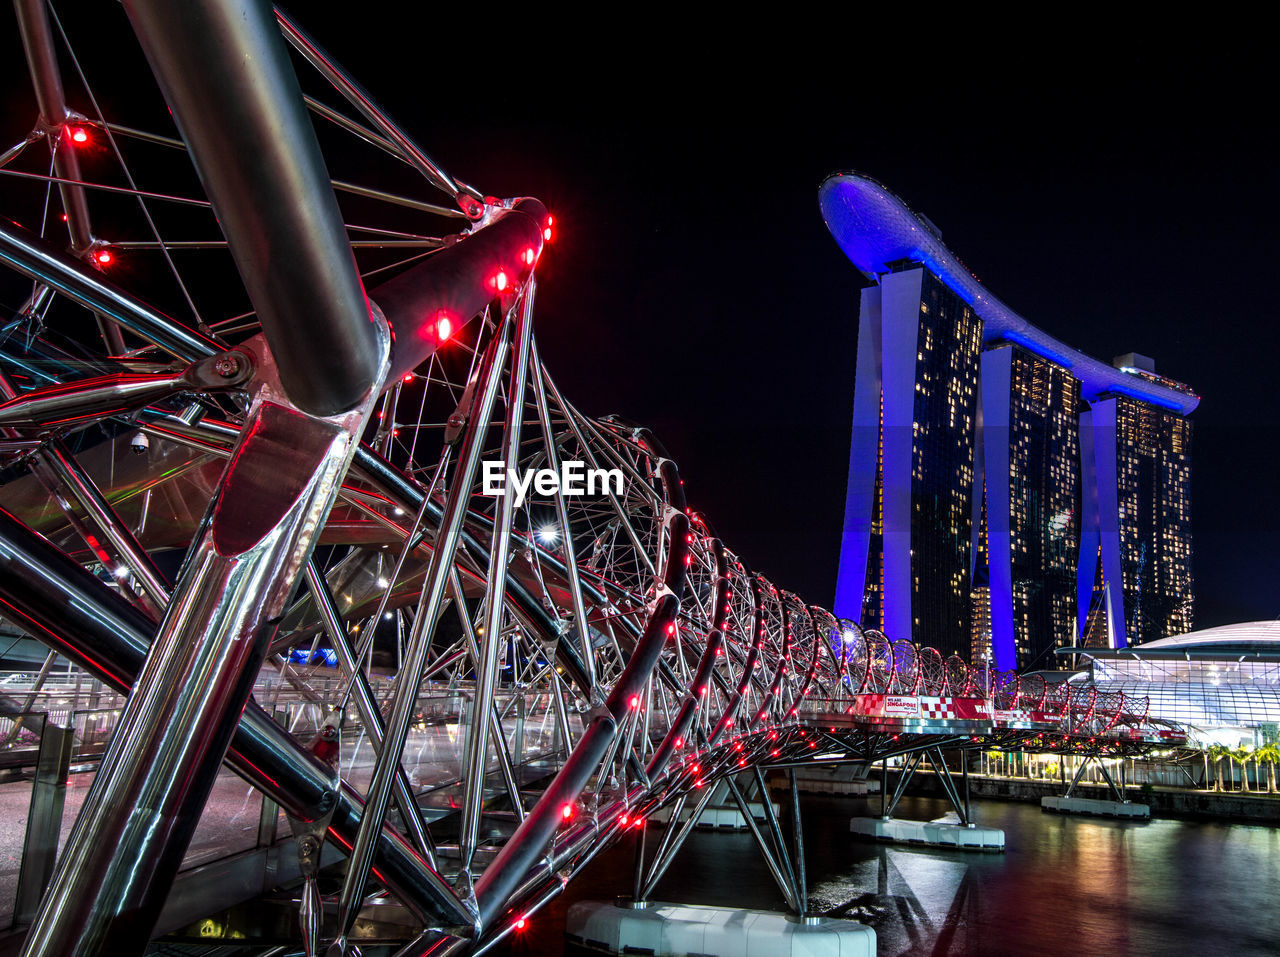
(676, 930)
(1125, 810)
(948, 834)
(715, 818)
(720, 814)
(843, 779)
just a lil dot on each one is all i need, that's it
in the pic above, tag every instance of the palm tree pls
(993, 757)
(1217, 752)
(1269, 753)
(1242, 756)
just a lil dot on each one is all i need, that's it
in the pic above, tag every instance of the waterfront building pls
(915, 414)
(971, 425)
(1138, 521)
(1031, 442)
(1222, 684)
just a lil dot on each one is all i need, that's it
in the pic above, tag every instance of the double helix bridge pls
(246, 406)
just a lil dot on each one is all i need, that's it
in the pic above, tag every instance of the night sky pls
(1120, 193)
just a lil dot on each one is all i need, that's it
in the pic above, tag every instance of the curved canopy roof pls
(1247, 632)
(875, 228)
(1258, 640)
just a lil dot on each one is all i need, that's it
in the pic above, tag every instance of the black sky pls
(1114, 185)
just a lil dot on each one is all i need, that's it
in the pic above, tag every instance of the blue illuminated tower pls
(1072, 463)
(1137, 519)
(909, 511)
(1031, 469)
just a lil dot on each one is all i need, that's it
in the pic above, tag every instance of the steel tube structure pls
(225, 72)
(146, 798)
(499, 551)
(32, 256)
(457, 282)
(562, 520)
(630, 653)
(42, 62)
(361, 100)
(51, 596)
(367, 705)
(433, 588)
(178, 723)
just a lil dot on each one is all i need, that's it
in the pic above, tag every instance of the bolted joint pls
(469, 205)
(226, 365)
(223, 371)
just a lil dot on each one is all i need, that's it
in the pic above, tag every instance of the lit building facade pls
(910, 515)
(1221, 684)
(1031, 442)
(1138, 521)
(994, 471)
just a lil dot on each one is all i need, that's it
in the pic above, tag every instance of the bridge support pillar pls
(956, 830)
(1096, 807)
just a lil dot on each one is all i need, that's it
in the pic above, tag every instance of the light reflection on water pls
(1065, 887)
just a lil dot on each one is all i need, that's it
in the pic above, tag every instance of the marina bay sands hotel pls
(1008, 495)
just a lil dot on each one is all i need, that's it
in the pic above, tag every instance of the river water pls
(1065, 887)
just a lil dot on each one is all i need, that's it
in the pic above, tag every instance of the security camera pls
(139, 443)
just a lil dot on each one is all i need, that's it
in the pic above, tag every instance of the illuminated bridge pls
(264, 526)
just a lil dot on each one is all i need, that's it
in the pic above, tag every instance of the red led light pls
(635, 701)
(78, 134)
(528, 256)
(444, 327)
(546, 234)
(566, 812)
(520, 923)
(500, 280)
(623, 820)
(551, 220)
(102, 256)
(408, 377)
(638, 822)
(679, 742)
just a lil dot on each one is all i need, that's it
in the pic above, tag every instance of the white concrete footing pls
(715, 818)
(843, 779)
(677, 930)
(847, 788)
(943, 833)
(1126, 810)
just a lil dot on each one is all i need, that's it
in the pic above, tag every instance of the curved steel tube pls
(58, 601)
